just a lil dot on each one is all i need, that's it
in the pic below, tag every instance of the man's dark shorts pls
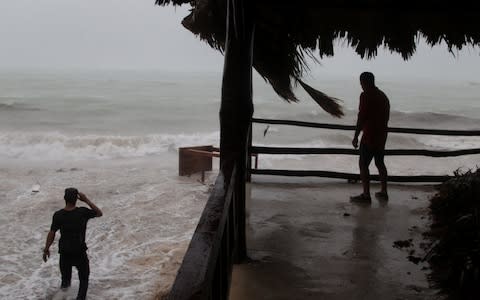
(367, 153)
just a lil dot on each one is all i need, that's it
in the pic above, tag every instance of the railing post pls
(249, 154)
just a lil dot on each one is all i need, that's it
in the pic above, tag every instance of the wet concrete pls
(308, 241)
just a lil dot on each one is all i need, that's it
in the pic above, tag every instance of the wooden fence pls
(205, 272)
(348, 151)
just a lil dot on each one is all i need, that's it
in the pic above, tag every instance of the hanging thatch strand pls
(287, 32)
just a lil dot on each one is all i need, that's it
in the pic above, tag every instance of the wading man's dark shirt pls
(72, 225)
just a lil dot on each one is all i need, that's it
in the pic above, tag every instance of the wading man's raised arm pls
(83, 198)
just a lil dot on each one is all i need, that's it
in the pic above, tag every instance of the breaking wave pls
(58, 146)
(12, 105)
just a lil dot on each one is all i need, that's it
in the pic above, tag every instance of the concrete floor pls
(307, 241)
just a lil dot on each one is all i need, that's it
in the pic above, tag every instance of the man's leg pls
(382, 172)
(83, 268)
(65, 270)
(364, 162)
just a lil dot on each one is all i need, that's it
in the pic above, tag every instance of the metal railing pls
(348, 151)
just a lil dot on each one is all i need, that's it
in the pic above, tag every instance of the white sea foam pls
(58, 146)
(13, 105)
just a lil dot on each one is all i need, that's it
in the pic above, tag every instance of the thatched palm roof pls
(289, 31)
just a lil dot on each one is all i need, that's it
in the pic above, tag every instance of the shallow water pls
(134, 248)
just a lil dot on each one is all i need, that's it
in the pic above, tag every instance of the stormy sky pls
(136, 34)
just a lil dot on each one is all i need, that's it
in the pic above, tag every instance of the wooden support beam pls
(348, 151)
(351, 127)
(205, 153)
(236, 108)
(350, 176)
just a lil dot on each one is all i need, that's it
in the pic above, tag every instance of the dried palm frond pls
(329, 104)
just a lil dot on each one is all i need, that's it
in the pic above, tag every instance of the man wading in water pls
(72, 222)
(373, 115)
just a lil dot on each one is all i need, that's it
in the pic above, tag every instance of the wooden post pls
(237, 107)
(249, 154)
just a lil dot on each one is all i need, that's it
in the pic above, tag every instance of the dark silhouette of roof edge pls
(287, 32)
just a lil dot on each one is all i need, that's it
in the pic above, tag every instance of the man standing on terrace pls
(373, 115)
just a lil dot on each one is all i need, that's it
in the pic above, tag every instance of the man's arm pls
(358, 128)
(360, 121)
(48, 243)
(83, 198)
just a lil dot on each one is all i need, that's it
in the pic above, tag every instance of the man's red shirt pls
(373, 115)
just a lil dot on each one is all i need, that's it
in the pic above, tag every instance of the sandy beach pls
(306, 240)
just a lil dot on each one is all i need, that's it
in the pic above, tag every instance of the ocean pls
(115, 136)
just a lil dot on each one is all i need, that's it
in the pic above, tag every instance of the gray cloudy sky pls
(136, 34)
